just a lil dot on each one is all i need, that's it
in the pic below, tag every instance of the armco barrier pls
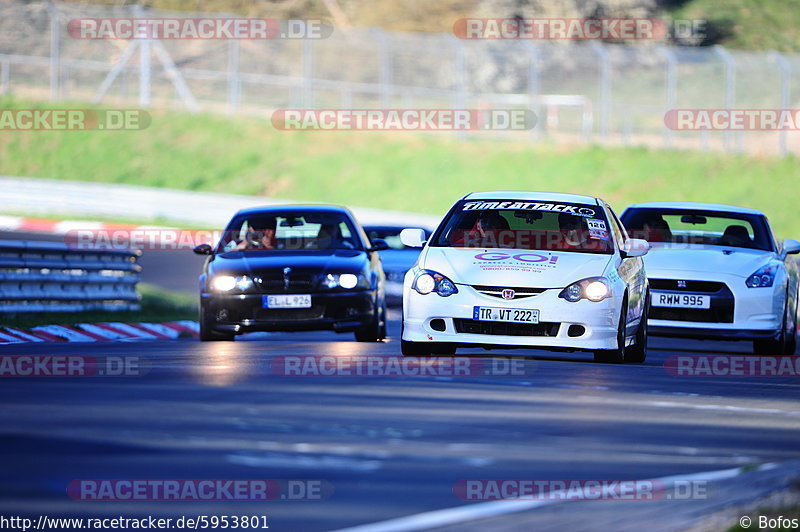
(52, 277)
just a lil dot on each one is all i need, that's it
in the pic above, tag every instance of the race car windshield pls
(698, 227)
(527, 225)
(297, 231)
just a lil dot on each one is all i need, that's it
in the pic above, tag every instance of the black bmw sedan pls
(293, 268)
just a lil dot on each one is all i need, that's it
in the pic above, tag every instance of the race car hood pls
(514, 268)
(312, 261)
(713, 259)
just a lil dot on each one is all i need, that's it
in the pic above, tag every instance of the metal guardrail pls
(53, 277)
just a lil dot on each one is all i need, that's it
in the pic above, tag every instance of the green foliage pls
(391, 170)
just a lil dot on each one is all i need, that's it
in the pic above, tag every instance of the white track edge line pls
(475, 512)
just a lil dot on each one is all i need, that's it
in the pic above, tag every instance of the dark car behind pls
(397, 258)
(293, 268)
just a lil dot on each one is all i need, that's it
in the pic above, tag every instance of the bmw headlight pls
(226, 283)
(762, 278)
(427, 281)
(594, 289)
(348, 281)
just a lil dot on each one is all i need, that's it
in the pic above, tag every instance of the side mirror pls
(791, 246)
(636, 247)
(378, 244)
(413, 238)
(203, 249)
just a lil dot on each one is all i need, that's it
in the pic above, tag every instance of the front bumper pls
(424, 317)
(737, 312)
(676, 331)
(337, 311)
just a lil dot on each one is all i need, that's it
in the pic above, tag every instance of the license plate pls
(680, 301)
(512, 315)
(287, 301)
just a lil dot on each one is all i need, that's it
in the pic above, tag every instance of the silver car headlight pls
(762, 278)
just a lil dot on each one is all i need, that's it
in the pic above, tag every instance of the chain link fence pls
(609, 94)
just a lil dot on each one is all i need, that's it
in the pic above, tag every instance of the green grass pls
(392, 170)
(158, 305)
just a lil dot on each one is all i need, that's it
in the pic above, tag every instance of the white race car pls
(527, 269)
(717, 271)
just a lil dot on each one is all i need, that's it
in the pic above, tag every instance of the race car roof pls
(289, 207)
(525, 195)
(693, 205)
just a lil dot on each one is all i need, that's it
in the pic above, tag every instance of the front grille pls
(497, 291)
(722, 302)
(290, 314)
(297, 282)
(499, 328)
(706, 287)
(712, 315)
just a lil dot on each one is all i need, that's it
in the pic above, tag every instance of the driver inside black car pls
(260, 235)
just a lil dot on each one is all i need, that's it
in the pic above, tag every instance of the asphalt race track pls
(386, 446)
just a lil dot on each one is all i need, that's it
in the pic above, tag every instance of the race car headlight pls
(343, 280)
(244, 283)
(427, 281)
(762, 278)
(348, 280)
(594, 289)
(226, 283)
(573, 292)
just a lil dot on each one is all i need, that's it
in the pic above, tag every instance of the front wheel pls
(637, 353)
(615, 356)
(785, 344)
(375, 330)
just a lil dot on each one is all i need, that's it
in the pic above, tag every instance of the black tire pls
(615, 356)
(207, 333)
(637, 353)
(790, 325)
(785, 344)
(375, 330)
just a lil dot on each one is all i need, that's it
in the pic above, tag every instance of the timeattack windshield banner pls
(529, 225)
